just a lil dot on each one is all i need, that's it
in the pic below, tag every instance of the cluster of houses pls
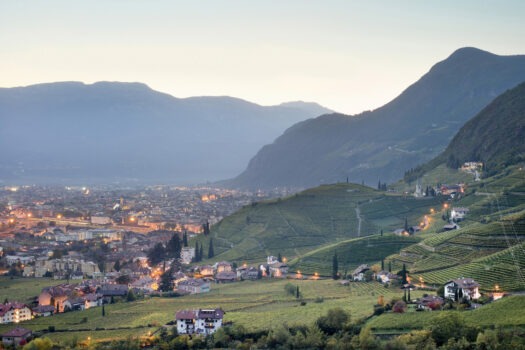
(62, 298)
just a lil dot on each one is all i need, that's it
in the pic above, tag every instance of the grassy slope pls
(255, 305)
(312, 219)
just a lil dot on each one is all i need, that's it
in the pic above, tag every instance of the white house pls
(202, 321)
(14, 312)
(278, 269)
(194, 286)
(458, 213)
(359, 273)
(462, 288)
(187, 254)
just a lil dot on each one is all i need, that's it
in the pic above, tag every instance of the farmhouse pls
(451, 190)
(430, 302)
(278, 269)
(462, 288)
(247, 273)
(43, 310)
(16, 336)
(225, 276)
(222, 266)
(202, 321)
(359, 273)
(459, 213)
(194, 286)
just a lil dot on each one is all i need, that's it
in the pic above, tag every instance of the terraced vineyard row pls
(352, 253)
(504, 269)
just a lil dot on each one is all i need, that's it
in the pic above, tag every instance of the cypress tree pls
(210, 249)
(185, 238)
(297, 292)
(382, 264)
(279, 257)
(196, 258)
(335, 267)
(201, 254)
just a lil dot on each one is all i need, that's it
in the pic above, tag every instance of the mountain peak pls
(469, 51)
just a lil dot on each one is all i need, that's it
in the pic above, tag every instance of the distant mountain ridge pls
(113, 131)
(382, 144)
(495, 137)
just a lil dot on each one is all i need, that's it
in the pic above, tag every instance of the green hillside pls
(312, 219)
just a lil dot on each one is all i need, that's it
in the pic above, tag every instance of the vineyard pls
(505, 312)
(351, 254)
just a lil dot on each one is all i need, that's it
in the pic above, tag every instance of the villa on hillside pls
(462, 288)
(359, 273)
(202, 321)
(458, 213)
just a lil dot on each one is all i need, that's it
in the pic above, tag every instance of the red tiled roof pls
(17, 332)
(186, 315)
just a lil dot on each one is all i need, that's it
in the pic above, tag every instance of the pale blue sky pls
(347, 55)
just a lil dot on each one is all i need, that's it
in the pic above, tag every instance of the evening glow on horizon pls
(347, 56)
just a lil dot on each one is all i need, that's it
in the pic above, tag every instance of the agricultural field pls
(255, 305)
(507, 312)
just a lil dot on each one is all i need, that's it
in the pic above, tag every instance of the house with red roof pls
(16, 336)
(14, 312)
(202, 321)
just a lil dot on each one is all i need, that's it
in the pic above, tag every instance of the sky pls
(349, 56)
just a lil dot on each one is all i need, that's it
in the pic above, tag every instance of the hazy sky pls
(347, 55)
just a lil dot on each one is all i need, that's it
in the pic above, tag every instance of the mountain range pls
(356, 223)
(69, 132)
(382, 144)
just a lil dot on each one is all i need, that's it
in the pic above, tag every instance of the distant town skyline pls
(347, 56)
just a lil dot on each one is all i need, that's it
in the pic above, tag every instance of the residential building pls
(359, 273)
(16, 336)
(14, 312)
(462, 288)
(194, 286)
(187, 254)
(202, 321)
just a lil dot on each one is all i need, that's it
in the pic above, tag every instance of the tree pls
(210, 249)
(279, 257)
(166, 281)
(156, 254)
(116, 267)
(406, 224)
(174, 246)
(446, 325)
(334, 321)
(390, 266)
(39, 344)
(206, 228)
(103, 311)
(131, 296)
(196, 257)
(403, 273)
(297, 293)
(382, 264)
(185, 238)
(201, 254)
(335, 267)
